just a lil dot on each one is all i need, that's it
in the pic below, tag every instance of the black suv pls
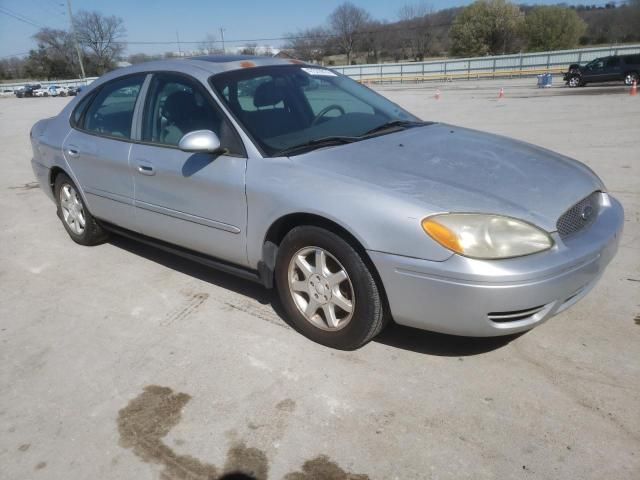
(27, 90)
(624, 68)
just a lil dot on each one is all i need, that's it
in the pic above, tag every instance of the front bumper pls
(483, 298)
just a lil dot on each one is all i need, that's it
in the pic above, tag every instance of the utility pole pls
(178, 39)
(222, 37)
(75, 39)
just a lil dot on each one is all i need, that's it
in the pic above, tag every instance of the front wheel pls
(574, 81)
(327, 290)
(81, 226)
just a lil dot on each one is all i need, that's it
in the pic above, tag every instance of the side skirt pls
(197, 257)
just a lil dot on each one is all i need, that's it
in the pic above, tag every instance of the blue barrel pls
(545, 80)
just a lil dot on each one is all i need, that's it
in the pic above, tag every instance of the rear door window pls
(111, 112)
(613, 62)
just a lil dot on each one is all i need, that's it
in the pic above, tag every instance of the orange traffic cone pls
(634, 89)
(437, 95)
(501, 94)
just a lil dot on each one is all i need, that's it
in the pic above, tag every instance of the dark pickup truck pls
(624, 68)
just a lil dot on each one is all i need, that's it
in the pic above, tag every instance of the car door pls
(98, 146)
(594, 71)
(612, 69)
(194, 200)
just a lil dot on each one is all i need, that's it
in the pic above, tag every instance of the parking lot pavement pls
(120, 361)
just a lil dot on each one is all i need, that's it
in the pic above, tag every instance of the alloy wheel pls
(72, 209)
(321, 288)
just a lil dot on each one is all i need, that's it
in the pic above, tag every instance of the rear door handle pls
(73, 151)
(146, 169)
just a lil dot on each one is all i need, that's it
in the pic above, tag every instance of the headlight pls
(486, 236)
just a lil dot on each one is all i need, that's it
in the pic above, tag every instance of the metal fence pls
(518, 65)
(525, 64)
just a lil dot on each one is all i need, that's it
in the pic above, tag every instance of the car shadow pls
(440, 344)
(397, 336)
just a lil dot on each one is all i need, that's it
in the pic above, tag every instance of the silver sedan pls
(355, 210)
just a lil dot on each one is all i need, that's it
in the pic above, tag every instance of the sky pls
(193, 19)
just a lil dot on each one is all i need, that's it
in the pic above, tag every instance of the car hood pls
(453, 169)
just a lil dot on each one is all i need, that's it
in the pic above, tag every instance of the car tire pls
(73, 212)
(349, 308)
(630, 77)
(574, 81)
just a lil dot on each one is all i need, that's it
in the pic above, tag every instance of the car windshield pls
(290, 109)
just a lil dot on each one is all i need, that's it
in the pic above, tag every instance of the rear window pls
(78, 112)
(111, 110)
(632, 59)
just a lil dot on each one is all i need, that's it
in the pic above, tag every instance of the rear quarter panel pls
(47, 138)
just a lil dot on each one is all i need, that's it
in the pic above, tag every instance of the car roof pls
(212, 64)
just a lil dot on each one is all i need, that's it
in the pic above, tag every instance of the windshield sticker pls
(319, 71)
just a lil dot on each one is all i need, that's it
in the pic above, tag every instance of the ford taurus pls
(357, 211)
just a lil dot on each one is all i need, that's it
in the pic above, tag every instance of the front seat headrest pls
(268, 94)
(179, 106)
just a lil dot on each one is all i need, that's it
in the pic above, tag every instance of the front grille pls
(579, 216)
(514, 316)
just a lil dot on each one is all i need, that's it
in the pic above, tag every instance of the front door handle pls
(146, 169)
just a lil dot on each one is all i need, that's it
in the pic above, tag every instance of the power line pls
(288, 37)
(20, 17)
(15, 55)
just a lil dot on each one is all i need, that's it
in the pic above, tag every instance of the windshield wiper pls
(395, 125)
(317, 143)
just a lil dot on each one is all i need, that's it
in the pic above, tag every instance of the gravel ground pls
(119, 361)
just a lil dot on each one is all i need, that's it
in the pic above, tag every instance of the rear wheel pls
(327, 290)
(81, 226)
(631, 77)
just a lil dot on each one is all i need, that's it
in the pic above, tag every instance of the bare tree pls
(209, 45)
(249, 49)
(59, 52)
(136, 58)
(310, 45)
(101, 35)
(417, 36)
(373, 40)
(347, 21)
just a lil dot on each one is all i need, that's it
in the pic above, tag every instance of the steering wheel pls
(326, 110)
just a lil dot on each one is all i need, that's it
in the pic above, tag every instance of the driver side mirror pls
(200, 141)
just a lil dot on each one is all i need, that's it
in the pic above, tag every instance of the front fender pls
(382, 222)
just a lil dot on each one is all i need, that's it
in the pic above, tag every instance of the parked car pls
(353, 208)
(625, 68)
(72, 91)
(42, 91)
(27, 90)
